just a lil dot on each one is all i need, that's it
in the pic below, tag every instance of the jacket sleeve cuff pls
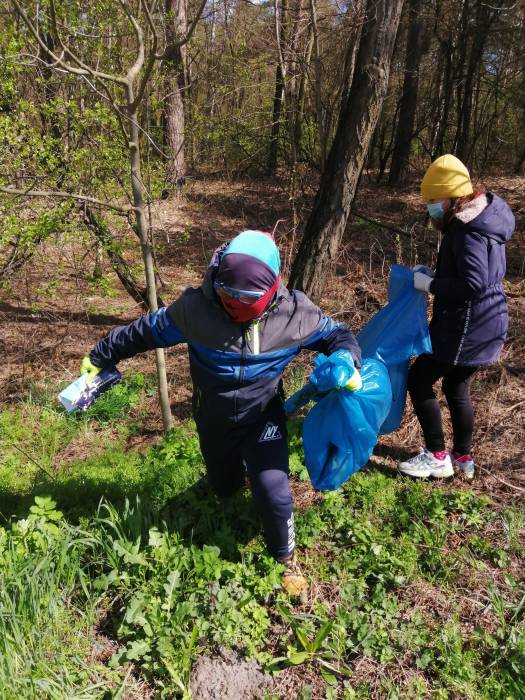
(95, 361)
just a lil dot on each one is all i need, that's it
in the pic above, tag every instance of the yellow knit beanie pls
(446, 178)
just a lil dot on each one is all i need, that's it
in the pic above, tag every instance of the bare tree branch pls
(59, 60)
(139, 61)
(67, 195)
(151, 58)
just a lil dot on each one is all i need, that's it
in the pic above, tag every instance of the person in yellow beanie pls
(446, 178)
(469, 319)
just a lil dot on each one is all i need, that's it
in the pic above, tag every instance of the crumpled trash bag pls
(396, 333)
(340, 431)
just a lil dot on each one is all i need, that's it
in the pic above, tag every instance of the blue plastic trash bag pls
(332, 372)
(340, 432)
(394, 334)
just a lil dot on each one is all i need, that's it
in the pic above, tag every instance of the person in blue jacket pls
(470, 317)
(242, 327)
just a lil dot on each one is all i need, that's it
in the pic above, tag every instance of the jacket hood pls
(496, 221)
(209, 275)
(209, 278)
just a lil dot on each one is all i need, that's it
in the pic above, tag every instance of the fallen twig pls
(498, 478)
(381, 224)
(53, 478)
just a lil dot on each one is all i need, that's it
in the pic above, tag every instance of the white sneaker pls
(464, 464)
(426, 464)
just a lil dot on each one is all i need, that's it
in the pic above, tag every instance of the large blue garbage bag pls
(394, 334)
(340, 432)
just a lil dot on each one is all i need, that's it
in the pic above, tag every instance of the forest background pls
(138, 136)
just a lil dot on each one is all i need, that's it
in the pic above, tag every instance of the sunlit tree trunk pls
(407, 109)
(147, 252)
(177, 25)
(358, 118)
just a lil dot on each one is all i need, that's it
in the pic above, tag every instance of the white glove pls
(425, 269)
(422, 281)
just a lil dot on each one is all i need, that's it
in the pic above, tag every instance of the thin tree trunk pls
(484, 20)
(177, 25)
(299, 112)
(407, 109)
(49, 119)
(357, 121)
(462, 42)
(147, 254)
(276, 121)
(518, 167)
(318, 86)
(444, 97)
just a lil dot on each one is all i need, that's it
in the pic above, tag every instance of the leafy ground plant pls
(416, 589)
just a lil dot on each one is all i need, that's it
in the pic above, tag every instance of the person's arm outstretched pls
(149, 331)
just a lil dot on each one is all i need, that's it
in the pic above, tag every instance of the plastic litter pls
(82, 394)
(341, 430)
(396, 333)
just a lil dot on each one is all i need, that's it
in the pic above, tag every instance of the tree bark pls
(147, 253)
(444, 97)
(484, 20)
(177, 26)
(407, 109)
(317, 85)
(105, 242)
(357, 121)
(276, 121)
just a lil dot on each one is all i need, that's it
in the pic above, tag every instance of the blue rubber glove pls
(296, 401)
(336, 371)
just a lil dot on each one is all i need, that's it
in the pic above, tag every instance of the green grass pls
(129, 550)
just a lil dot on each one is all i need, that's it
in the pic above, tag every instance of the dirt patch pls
(228, 677)
(294, 680)
(53, 312)
(304, 496)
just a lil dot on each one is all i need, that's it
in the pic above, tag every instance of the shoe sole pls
(466, 475)
(436, 473)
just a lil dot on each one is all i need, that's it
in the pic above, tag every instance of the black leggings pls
(422, 376)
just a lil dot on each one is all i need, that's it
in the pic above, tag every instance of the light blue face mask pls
(436, 210)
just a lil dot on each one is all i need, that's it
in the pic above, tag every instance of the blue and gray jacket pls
(236, 368)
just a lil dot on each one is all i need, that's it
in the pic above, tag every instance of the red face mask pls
(241, 312)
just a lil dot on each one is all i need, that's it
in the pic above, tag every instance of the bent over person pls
(242, 327)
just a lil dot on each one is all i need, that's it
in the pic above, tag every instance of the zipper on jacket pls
(244, 354)
(242, 364)
(256, 338)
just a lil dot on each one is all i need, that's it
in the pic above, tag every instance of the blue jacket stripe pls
(164, 330)
(331, 336)
(226, 365)
(326, 327)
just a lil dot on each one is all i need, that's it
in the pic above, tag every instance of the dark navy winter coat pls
(470, 316)
(236, 368)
